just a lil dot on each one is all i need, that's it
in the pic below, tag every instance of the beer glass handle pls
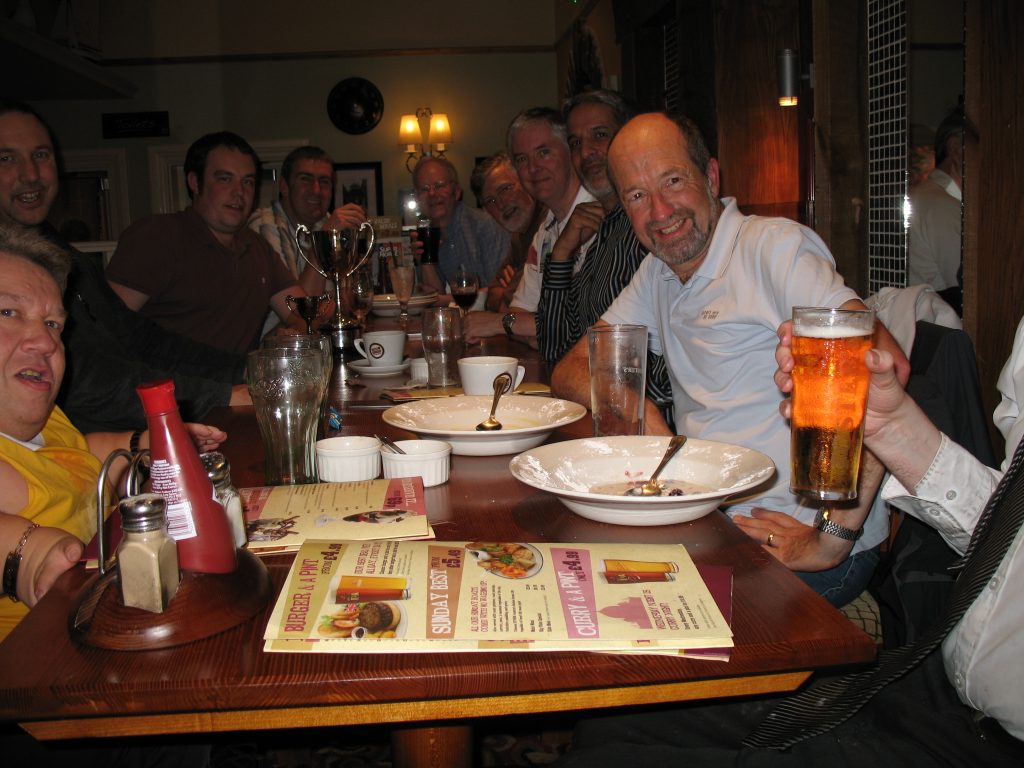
(369, 247)
(302, 229)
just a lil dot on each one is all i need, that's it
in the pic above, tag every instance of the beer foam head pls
(816, 323)
(811, 331)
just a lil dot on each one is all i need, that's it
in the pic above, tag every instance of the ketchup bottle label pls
(180, 524)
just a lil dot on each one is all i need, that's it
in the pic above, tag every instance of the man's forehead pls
(534, 134)
(500, 174)
(15, 127)
(230, 159)
(314, 167)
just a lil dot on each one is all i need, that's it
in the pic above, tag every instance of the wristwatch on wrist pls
(825, 525)
(507, 321)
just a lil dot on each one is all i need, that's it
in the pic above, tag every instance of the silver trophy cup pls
(336, 254)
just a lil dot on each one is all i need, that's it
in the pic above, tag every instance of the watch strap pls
(824, 524)
(507, 321)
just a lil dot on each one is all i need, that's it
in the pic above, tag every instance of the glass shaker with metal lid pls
(147, 557)
(219, 472)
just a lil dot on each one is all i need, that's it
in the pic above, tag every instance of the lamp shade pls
(789, 79)
(440, 130)
(409, 132)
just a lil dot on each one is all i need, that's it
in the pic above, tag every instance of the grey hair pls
(621, 109)
(543, 114)
(30, 246)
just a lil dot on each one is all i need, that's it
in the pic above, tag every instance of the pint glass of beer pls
(830, 388)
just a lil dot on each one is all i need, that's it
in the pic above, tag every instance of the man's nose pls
(40, 338)
(660, 207)
(28, 169)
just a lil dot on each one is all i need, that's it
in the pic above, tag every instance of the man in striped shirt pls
(580, 283)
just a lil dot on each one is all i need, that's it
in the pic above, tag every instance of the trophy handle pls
(303, 229)
(369, 247)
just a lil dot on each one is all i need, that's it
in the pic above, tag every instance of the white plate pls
(571, 468)
(527, 421)
(363, 368)
(386, 305)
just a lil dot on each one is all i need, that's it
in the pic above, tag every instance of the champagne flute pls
(362, 290)
(402, 279)
(465, 287)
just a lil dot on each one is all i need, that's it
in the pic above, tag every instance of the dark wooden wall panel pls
(758, 141)
(994, 184)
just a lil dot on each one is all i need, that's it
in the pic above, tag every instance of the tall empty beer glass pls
(287, 386)
(830, 388)
(618, 368)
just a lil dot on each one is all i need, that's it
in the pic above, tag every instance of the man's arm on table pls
(480, 325)
(571, 380)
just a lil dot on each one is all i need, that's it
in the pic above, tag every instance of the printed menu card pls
(423, 596)
(280, 518)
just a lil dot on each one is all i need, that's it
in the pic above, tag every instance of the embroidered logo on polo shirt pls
(709, 314)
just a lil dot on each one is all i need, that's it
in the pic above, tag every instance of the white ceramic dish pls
(527, 421)
(570, 469)
(428, 459)
(386, 305)
(363, 368)
(348, 458)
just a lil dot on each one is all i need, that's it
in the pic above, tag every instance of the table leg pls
(432, 747)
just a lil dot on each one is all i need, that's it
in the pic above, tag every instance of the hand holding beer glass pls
(830, 388)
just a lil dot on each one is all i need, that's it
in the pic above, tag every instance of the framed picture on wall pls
(359, 183)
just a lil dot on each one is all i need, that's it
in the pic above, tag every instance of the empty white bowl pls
(428, 459)
(345, 459)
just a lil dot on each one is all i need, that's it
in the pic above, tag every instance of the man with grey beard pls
(719, 286)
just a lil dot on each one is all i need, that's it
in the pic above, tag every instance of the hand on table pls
(47, 554)
(798, 546)
(479, 325)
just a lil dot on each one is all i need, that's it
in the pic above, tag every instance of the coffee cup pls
(382, 347)
(478, 373)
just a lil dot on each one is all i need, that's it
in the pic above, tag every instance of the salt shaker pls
(219, 472)
(147, 557)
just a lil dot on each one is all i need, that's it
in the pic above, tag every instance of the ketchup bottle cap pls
(157, 396)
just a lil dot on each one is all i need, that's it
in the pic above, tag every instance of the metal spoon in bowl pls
(502, 384)
(652, 487)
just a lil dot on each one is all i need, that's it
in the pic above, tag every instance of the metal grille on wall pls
(670, 44)
(887, 143)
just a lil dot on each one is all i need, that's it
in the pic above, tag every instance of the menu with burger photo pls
(423, 596)
(280, 518)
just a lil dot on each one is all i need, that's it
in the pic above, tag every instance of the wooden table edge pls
(410, 711)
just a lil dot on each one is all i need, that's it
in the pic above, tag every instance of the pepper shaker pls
(147, 557)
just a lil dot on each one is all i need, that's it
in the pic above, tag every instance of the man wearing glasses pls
(469, 237)
(498, 191)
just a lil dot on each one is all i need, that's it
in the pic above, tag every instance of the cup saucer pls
(363, 368)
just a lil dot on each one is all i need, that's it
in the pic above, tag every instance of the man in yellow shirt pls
(48, 469)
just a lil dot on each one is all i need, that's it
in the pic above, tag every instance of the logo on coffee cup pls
(376, 350)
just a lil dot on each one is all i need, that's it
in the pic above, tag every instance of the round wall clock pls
(355, 105)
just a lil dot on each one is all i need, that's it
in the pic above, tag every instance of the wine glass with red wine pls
(465, 287)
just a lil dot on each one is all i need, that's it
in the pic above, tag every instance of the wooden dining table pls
(57, 688)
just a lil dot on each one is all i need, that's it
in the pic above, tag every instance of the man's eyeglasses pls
(499, 194)
(437, 186)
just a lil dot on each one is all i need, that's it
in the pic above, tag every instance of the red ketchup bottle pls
(195, 519)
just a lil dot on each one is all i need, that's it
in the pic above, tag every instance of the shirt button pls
(993, 584)
(950, 495)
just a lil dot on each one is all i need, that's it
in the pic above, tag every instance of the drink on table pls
(402, 279)
(830, 387)
(465, 288)
(363, 292)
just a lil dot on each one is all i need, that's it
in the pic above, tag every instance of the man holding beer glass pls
(712, 299)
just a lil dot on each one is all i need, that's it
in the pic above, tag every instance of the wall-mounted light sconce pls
(789, 78)
(410, 135)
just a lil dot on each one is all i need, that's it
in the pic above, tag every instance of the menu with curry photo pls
(417, 596)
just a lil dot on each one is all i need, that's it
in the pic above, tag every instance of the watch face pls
(355, 105)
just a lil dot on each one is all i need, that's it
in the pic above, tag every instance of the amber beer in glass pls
(830, 388)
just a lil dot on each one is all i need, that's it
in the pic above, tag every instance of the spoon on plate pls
(502, 384)
(651, 486)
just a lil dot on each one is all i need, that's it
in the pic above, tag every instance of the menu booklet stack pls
(281, 518)
(427, 596)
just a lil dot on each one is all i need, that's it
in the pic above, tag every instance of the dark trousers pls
(916, 721)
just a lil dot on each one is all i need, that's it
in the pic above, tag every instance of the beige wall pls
(177, 68)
